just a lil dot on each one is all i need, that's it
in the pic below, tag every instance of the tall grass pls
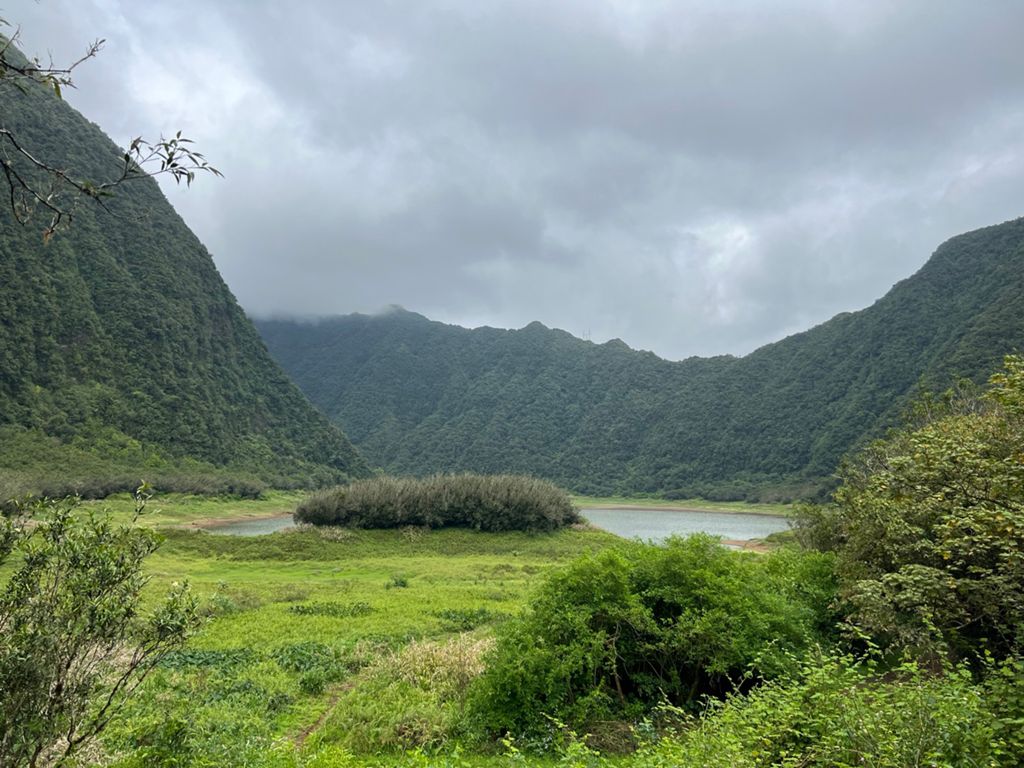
(481, 502)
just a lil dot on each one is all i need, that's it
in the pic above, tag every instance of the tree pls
(928, 525)
(34, 183)
(74, 643)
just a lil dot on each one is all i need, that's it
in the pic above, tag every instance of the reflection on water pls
(256, 527)
(647, 524)
(658, 524)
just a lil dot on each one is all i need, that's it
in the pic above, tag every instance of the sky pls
(694, 178)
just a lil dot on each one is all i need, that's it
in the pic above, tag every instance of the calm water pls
(253, 527)
(659, 524)
(646, 524)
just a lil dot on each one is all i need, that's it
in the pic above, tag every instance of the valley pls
(230, 539)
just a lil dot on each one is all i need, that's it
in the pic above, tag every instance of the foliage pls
(418, 396)
(74, 645)
(928, 525)
(462, 620)
(613, 634)
(336, 609)
(480, 502)
(259, 677)
(839, 712)
(35, 183)
(124, 354)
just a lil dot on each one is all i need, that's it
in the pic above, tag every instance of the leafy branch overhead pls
(37, 184)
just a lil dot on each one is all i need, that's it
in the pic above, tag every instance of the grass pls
(178, 509)
(312, 633)
(257, 579)
(304, 622)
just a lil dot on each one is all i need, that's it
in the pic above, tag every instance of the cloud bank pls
(691, 177)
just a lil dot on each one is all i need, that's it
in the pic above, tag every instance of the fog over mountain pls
(691, 178)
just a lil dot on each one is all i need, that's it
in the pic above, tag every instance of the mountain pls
(418, 396)
(122, 352)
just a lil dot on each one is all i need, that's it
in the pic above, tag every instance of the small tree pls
(74, 644)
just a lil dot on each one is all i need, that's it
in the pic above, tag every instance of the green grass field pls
(300, 660)
(328, 647)
(176, 509)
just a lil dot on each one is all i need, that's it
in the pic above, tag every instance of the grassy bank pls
(178, 509)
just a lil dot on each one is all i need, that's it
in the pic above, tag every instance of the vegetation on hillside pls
(480, 502)
(124, 353)
(420, 397)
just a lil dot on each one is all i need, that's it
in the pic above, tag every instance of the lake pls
(652, 524)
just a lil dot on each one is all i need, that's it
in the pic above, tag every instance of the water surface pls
(649, 524)
(658, 524)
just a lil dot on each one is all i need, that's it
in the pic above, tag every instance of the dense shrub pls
(613, 634)
(481, 502)
(838, 712)
(928, 526)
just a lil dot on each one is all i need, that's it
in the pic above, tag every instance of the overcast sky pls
(691, 177)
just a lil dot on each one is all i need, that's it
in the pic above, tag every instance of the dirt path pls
(309, 730)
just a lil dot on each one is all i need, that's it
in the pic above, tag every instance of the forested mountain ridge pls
(419, 396)
(122, 352)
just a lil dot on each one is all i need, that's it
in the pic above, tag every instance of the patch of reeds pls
(480, 502)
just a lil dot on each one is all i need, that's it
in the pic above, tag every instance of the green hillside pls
(122, 352)
(420, 396)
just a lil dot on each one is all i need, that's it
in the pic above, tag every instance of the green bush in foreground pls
(74, 641)
(838, 712)
(481, 502)
(612, 635)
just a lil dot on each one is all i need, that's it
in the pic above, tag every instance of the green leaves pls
(614, 634)
(929, 526)
(73, 642)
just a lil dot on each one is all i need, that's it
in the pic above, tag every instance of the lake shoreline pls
(688, 508)
(213, 522)
(598, 517)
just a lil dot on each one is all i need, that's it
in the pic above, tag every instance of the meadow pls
(324, 643)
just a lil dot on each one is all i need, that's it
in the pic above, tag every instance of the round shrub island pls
(480, 502)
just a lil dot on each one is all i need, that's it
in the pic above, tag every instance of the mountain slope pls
(419, 396)
(122, 352)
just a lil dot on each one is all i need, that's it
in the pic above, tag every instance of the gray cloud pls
(694, 178)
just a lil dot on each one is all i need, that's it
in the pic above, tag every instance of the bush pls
(74, 640)
(480, 502)
(928, 527)
(614, 634)
(838, 712)
(333, 609)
